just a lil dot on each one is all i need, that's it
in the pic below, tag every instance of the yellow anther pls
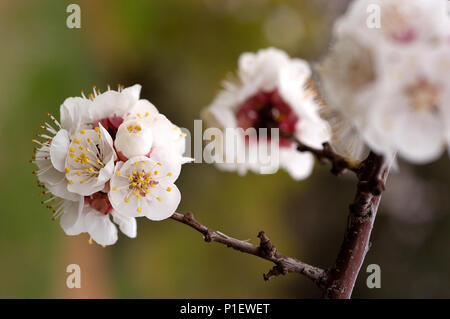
(67, 170)
(91, 169)
(159, 163)
(81, 147)
(147, 114)
(71, 155)
(88, 149)
(71, 149)
(168, 189)
(114, 188)
(147, 191)
(78, 173)
(130, 177)
(153, 185)
(117, 173)
(139, 210)
(127, 200)
(134, 172)
(85, 170)
(70, 181)
(134, 193)
(139, 115)
(159, 199)
(76, 141)
(99, 136)
(82, 131)
(169, 174)
(138, 196)
(136, 164)
(82, 182)
(97, 129)
(155, 172)
(89, 140)
(90, 241)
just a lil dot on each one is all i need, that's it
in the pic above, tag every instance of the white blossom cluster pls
(111, 154)
(387, 78)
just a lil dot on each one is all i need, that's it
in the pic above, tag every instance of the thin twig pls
(327, 154)
(266, 250)
(337, 282)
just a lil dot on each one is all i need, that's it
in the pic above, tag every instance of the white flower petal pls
(74, 112)
(110, 104)
(133, 91)
(100, 227)
(72, 221)
(298, 164)
(419, 137)
(142, 110)
(126, 224)
(59, 148)
(163, 204)
(313, 134)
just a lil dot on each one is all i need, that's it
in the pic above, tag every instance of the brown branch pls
(327, 154)
(337, 282)
(266, 250)
(372, 175)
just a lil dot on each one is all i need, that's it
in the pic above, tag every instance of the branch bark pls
(372, 175)
(266, 250)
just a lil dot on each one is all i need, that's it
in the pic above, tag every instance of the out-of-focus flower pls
(387, 83)
(77, 158)
(271, 92)
(395, 22)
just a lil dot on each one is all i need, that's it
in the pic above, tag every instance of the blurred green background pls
(180, 51)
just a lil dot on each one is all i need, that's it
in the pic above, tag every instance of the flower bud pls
(133, 139)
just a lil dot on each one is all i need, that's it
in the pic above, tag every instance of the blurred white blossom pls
(271, 92)
(389, 84)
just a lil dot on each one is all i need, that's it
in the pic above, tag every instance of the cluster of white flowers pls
(271, 91)
(387, 78)
(111, 154)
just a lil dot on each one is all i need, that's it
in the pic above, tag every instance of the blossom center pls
(398, 26)
(100, 202)
(268, 110)
(423, 96)
(111, 124)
